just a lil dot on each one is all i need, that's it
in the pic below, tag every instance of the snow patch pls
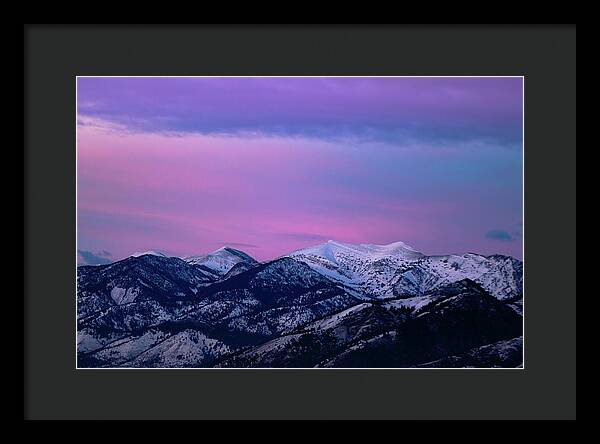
(124, 296)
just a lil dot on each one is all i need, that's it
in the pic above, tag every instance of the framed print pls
(299, 222)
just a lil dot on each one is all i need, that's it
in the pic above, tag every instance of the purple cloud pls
(391, 110)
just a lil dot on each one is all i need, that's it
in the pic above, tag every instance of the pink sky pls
(271, 192)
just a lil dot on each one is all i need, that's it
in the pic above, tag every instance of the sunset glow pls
(271, 165)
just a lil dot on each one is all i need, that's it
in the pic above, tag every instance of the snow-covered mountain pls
(222, 260)
(399, 270)
(501, 276)
(148, 279)
(127, 309)
(367, 267)
(332, 305)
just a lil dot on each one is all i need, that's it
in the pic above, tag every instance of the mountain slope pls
(459, 317)
(501, 276)
(136, 279)
(318, 340)
(270, 298)
(506, 353)
(248, 308)
(399, 270)
(462, 316)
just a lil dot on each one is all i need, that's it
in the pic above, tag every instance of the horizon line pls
(225, 246)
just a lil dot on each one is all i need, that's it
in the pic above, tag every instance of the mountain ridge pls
(397, 269)
(153, 310)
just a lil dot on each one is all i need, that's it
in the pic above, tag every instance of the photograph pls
(299, 222)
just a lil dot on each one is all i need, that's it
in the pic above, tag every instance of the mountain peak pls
(149, 252)
(221, 260)
(228, 249)
(234, 251)
(329, 248)
(390, 248)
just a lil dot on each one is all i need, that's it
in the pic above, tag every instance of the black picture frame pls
(54, 55)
